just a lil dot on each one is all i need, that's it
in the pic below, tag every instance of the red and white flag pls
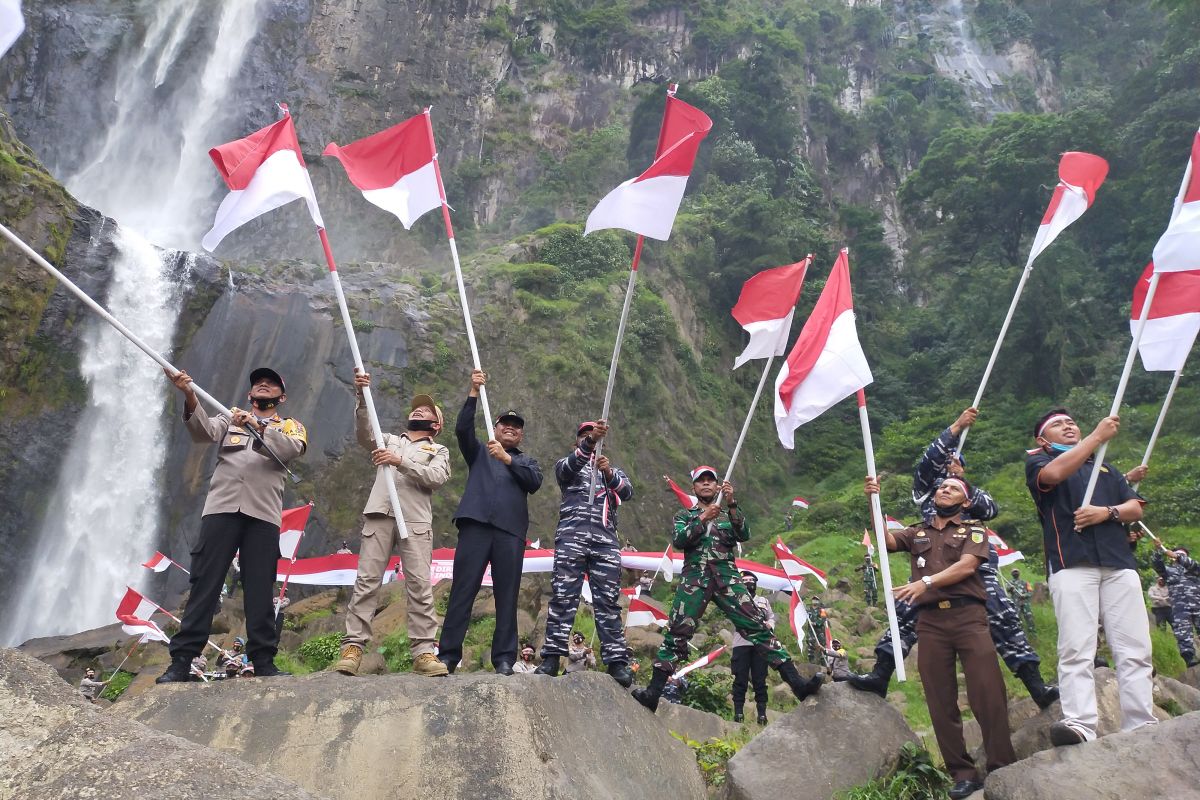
(291, 528)
(263, 172)
(145, 628)
(1174, 318)
(867, 543)
(894, 524)
(647, 204)
(642, 614)
(797, 616)
(700, 663)
(12, 24)
(1079, 176)
(765, 309)
(827, 364)
(799, 502)
(795, 567)
(667, 565)
(160, 563)
(394, 169)
(1178, 250)
(1006, 554)
(134, 613)
(686, 500)
(585, 591)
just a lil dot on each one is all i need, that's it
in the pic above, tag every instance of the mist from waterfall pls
(151, 173)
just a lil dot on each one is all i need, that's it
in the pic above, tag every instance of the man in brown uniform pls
(242, 512)
(420, 467)
(946, 552)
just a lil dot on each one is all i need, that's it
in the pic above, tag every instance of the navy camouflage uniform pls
(711, 574)
(1004, 622)
(586, 542)
(1182, 578)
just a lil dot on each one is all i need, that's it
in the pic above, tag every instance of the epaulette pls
(294, 428)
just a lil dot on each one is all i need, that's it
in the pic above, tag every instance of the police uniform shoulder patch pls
(294, 428)
(976, 537)
(429, 448)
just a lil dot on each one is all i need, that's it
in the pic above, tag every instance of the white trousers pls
(1084, 597)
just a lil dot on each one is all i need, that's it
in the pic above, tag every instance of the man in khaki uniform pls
(420, 467)
(242, 513)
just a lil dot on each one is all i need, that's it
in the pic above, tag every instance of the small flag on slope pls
(794, 566)
(642, 613)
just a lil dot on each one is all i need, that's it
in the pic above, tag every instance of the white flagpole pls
(881, 539)
(737, 448)
(1162, 415)
(388, 472)
(458, 275)
(134, 338)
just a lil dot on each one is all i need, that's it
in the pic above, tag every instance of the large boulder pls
(1168, 691)
(696, 724)
(55, 746)
(471, 735)
(1156, 761)
(840, 739)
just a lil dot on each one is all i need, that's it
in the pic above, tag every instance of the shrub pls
(320, 651)
(915, 778)
(707, 691)
(397, 652)
(713, 756)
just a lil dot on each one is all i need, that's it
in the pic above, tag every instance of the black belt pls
(955, 602)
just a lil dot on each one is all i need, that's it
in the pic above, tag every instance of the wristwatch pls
(1114, 513)
(928, 581)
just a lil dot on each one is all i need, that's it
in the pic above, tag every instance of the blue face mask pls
(1060, 448)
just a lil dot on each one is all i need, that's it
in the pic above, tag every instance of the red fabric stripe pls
(1083, 170)
(237, 161)
(383, 158)
(1177, 293)
(771, 294)
(835, 300)
(680, 119)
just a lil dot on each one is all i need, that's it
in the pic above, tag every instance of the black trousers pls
(478, 546)
(221, 536)
(749, 665)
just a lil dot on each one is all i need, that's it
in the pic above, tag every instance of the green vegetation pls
(117, 684)
(712, 756)
(915, 778)
(709, 691)
(396, 652)
(320, 651)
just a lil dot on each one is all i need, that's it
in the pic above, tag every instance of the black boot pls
(762, 713)
(620, 672)
(877, 679)
(737, 712)
(266, 669)
(180, 671)
(649, 696)
(549, 666)
(1042, 694)
(800, 687)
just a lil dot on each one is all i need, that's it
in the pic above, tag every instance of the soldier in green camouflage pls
(1022, 595)
(870, 587)
(708, 535)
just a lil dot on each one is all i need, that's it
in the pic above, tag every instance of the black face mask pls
(420, 424)
(265, 403)
(752, 588)
(948, 512)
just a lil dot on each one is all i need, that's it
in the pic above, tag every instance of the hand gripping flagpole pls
(388, 472)
(103, 313)
(881, 538)
(458, 275)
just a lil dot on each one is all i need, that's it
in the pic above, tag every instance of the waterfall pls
(152, 174)
(965, 59)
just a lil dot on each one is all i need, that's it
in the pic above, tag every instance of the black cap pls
(512, 414)
(267, 372)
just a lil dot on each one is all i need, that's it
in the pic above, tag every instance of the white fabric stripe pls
(1166, 341)
(647, 207)
(1070, 208)
(768, 338)
(278, 181)
(1179, 248)
(409, 197)
(288, 542)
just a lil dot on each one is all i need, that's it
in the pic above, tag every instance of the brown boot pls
(427, 664)
(350, 660)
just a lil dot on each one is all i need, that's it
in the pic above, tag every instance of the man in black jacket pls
(492, 520)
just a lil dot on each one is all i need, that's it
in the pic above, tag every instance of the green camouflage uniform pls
(710, 573)
(1021, 594)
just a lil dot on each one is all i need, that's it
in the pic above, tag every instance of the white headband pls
(1055, 418)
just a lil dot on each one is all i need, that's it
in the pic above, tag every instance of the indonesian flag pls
(1007, 554)
(536, 544)
(1079, 176)
(642, 614)
(12, 24)
(827, 364)
(797, 616)
(647, 204)
(585, 592)
(867, 543)
(667, 565)
(160, 563)
(1174, 318)
(894, 524)
(765, 309)
(700, 663)
(291, 528)
(686, 500)
(632, 591)
(144, 628)
(263, 172)
(794, 566)
(395, 169)
(1178, 249)
(134, 612)
(799, 502)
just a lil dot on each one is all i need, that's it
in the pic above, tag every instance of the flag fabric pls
(642, 614)
(647, 204)
(797, 616)
(686, 500)
(1079, 176)
(795, 567)
(12, 24)
(867, 543)
(394, 169)
(827, 363)
(894, 524)
(134, 604)
(144, 628)
(667, 565)
(700, 663)
(263, 171)
(770, 579)
(585, 592)
(765, 309)
(536, 544)
(632, 591)
(799, 502)
(1174, 318)
(1178, 249)
(159, 563)
(291, 528)
(1006, 554)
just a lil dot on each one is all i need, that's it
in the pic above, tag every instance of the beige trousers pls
(378, 537)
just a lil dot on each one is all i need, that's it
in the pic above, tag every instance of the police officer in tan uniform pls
(420, 467)
(953, 624)
(242, 512)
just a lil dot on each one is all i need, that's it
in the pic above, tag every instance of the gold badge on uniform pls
(235, 440)
(961, 530)
(976, 537)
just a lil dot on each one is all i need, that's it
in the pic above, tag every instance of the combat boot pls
(620, 672)
(267, 669)
(762, 713)
(737, 712)
(427, 664)
(878, 678)
(800, 687)
(1042, 694)
(649, 696)
(549, 666)
(180, 671)
(349, 660)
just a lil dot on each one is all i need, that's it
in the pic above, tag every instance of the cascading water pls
(966, 59)
(152, 174)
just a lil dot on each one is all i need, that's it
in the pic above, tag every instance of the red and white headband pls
(1052, 419)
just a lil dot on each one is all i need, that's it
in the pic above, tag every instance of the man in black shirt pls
(1093, 574)
(492, 520)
